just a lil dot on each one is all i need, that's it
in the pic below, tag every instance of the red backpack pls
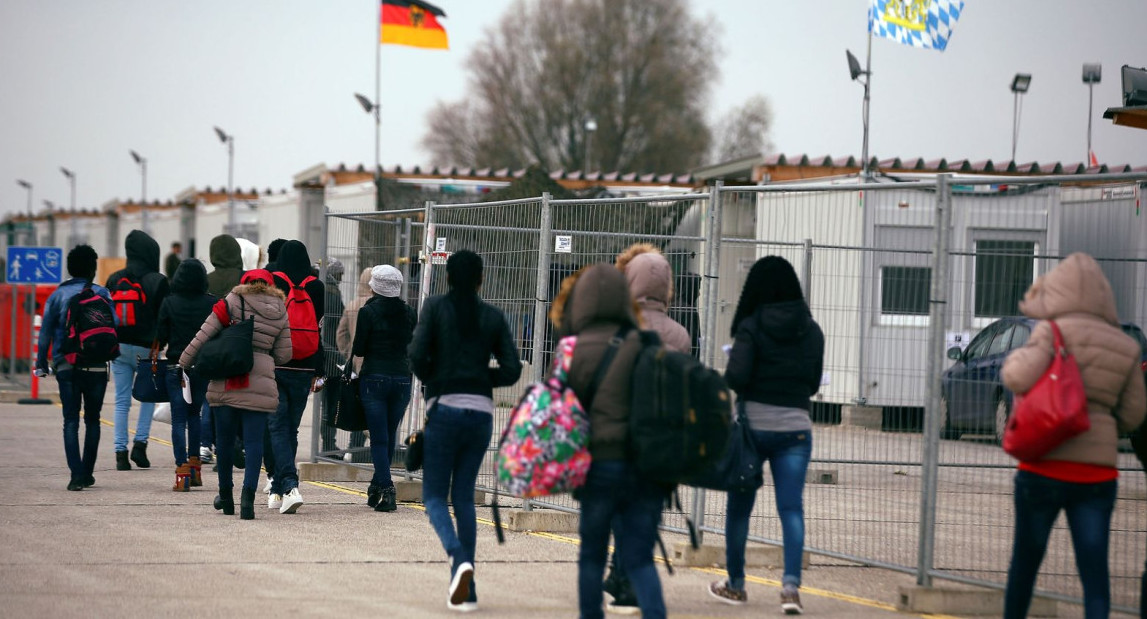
(301, 317)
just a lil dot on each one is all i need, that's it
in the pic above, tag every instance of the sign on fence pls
(563, 244)
(35, 265)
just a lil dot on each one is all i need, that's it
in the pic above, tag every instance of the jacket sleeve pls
(739, 369)
(506, 352)
(1132, 406)
(48, 330)
(343, 339)
(318, 294)
(281, 351)
(163, 327)
(162, 288)
(210, 328)
(423, 343)
(1024, 366)
(816, 365)
(362, 334)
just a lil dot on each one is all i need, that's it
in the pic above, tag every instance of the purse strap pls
(1059, 350)
(603, 366)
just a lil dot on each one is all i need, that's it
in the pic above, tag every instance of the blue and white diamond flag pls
(919, 23)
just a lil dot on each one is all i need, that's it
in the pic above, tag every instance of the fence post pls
(709, 335)
(543, 289)
(403, 258)
(318, 410)
(937, 320)
(806, 278)
(427, 250)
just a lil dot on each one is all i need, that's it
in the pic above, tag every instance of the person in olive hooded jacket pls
(227, 260)
(136, 316)
(180, 316)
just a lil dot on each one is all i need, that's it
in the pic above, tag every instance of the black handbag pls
(414, 451)
(150, 383)
(739, 470)
(349, 414)
(231, 352)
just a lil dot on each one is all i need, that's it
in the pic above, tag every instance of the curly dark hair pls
(83, 262)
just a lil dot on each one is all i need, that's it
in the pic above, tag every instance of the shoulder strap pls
(603, 366)
(1059, 349)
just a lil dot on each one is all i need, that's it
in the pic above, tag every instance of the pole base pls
(33, 401)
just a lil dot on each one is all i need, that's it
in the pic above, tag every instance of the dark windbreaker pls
(777, 356)
(385, 328)
(295, 264)
(185, 309)
(142, 267)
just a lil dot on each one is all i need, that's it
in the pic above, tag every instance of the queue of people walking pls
(461, 348)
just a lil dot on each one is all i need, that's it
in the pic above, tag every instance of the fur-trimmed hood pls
(596, 293)
(648, 274)
(267, 301)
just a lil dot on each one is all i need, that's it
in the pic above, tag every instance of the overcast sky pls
(83, 82)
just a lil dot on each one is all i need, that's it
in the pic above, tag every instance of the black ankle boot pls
(373, 495)
(389, 501)
(225, 501)
(139, 455)
(121, 463)
(247, 504)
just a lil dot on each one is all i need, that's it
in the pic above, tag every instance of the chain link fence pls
(894, 296)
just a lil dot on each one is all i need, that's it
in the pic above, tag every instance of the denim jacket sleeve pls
(48, 328)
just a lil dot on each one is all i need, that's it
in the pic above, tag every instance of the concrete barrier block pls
(12, 397)
(871, 417)
(409, 491)
(713, 555)
(821, 476)
(964, 602)
(330, 471)
(544, 520)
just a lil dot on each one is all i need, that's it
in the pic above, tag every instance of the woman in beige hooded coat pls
(1079, 476)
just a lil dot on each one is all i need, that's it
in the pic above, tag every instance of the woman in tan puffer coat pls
(252, 397)
(1079, 476)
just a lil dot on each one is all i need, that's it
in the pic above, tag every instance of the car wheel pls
(946, 429)
(1003, 413)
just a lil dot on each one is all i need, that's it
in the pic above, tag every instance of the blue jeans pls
(206, 426)
(614, 493)
(788, 454)
(384, 398)
(455, 445)
(1088, 507)
(254, 424)
(185, 426)
(81, 388)
(123, 370)
(294, 390)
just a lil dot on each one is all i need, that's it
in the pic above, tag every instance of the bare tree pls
(744, 131)
(642, 69)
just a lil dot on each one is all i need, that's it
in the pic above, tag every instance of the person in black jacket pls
(182, 314)
(137, 293)
(297, 378)
(384, 330)
(456, 335)
(775, 367)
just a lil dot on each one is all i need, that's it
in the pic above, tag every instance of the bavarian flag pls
(919, 23)
(413, 23)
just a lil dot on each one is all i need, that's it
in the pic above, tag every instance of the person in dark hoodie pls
(594, 304)
(180, 317)
(227, 259)
(455, 338)
(297, 378)
(137, 293)
(775, 367)
(385, 327)
(273, 254)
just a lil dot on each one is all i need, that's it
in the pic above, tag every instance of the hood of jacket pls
(1076, 286)
(142, 253)
(266, 301)
(649, 275)
(252, 254)
(364, 291)
(597, 293)
(190, 278)
(784, 322)
(294, 261)
(225, 252)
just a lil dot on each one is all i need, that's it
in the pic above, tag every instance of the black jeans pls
(79, 387)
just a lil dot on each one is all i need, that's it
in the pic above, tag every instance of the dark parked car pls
(972, 398)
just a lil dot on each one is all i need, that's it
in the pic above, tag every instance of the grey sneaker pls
(791, 601)
(720, 589)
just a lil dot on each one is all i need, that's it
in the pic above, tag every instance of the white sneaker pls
(291, 502)
(460, 584)
(464, 607)
(274, 501)
(267, 488)
(205, 455)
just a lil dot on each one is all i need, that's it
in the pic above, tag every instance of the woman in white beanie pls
(384, 329)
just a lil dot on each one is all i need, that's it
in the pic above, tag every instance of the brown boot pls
(182, 478)
(196, 471)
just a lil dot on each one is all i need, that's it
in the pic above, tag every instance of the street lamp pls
(229, 140)
(28, 186)
(590, 127)
(372, 108)
(71, 176)
(1020, 84)
(855, 72)
(1092, 72)
(142, 162)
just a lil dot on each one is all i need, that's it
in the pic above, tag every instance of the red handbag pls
(1052, 411)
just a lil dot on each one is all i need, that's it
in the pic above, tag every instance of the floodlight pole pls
(865, 171)
(1015, 121)
(1090, 98)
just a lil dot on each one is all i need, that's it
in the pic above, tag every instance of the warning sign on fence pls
(439, 257)
(563, 244)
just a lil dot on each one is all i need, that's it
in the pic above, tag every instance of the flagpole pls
(377, 106)
(867, 83)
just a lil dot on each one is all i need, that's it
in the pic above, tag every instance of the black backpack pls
(89, 330)
(680, 416)
(134, 318)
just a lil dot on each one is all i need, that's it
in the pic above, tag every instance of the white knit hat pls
(386, 280)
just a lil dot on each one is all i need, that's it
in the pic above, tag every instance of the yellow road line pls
(813, 591)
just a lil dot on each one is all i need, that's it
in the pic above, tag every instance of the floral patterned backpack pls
(545, 447)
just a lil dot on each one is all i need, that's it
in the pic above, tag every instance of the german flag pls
(413, 23)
